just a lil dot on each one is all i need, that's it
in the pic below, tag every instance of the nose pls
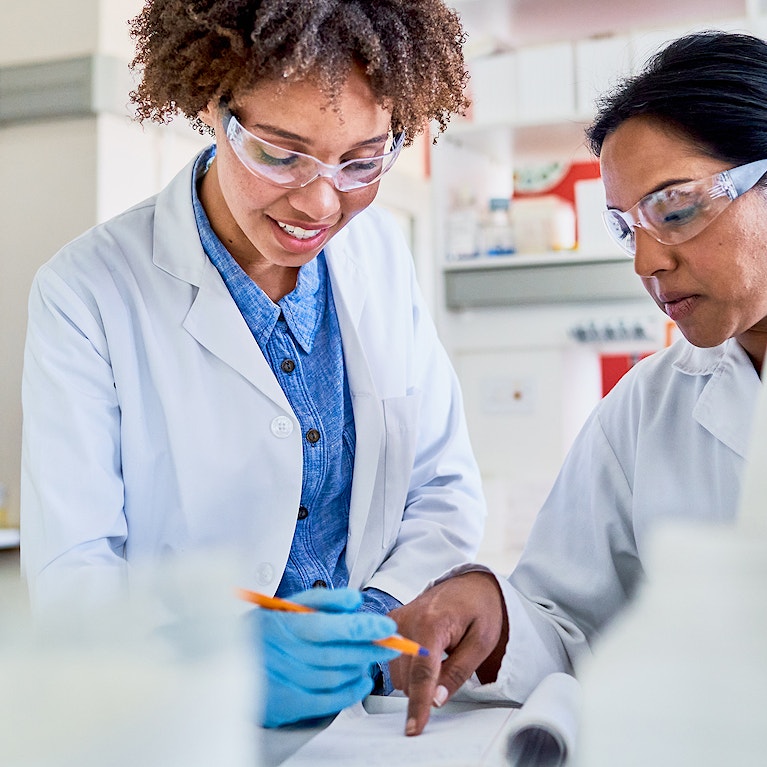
(318, 200)
(651, 256)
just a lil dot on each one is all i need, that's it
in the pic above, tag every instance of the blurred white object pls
(753, 508)
(163, 678)
(593, 239)
(682, 677)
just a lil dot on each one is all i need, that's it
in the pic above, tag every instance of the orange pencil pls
(395, 642)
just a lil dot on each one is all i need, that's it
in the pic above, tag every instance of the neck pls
(276, 281)
(755, 344)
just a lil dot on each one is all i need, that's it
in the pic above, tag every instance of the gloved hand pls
(318, 663)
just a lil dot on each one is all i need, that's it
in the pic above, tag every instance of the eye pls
(674, 207)
(617, 225)
(680, 215)
(363, 166)
(264, 157)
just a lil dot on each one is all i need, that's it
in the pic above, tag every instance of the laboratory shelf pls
(9, 538)
(542, 278)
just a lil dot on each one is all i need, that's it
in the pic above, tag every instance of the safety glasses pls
(293, 170)
(679, 212)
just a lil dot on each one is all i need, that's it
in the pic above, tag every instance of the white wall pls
(61, 176)
(528, 388)
(47, 197)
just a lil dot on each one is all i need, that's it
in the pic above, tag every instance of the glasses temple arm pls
(746, 176)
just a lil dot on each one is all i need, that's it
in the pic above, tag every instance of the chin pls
(702, 341)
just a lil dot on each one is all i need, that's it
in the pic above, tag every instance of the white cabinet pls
(599, 64)
(545, 77)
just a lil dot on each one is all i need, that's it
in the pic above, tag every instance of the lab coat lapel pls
(350, 287)
(213, 319)
(733, 381)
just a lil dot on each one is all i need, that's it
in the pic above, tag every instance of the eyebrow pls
(660, 188)
(674, 182)
(289, 136)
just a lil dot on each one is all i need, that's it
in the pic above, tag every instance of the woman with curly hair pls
(244, 361)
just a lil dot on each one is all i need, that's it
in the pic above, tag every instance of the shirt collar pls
(302, 309)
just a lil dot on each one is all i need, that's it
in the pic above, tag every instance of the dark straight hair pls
(710, 87)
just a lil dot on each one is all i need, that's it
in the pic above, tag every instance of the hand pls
(465, 617)
(318, 663)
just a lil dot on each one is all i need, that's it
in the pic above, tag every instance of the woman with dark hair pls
(245, 362)
(683, 152)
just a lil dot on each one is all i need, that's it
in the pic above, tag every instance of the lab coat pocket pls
(401, 416)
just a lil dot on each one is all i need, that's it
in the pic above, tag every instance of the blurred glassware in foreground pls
(163, 677)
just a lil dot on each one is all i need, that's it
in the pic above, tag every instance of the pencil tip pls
(423, 651)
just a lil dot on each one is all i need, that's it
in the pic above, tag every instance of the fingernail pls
(411, 727)
(440, 695)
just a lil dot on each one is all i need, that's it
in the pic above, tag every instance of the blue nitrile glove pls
(318, 663)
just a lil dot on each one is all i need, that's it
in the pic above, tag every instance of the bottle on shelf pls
(462, 235)
(497, 232)
(543, 223)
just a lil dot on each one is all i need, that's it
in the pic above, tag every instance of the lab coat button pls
(265, 573)
(303, 512)
(313, 436)
(282, 426)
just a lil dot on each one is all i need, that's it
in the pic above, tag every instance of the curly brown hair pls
(192, 52)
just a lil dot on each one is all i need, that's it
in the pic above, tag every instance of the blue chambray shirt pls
(301, 340)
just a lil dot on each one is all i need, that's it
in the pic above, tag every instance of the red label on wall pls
(615, 366)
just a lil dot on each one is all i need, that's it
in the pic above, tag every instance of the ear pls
(209, 115)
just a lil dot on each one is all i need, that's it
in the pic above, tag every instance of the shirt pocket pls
(401, 415)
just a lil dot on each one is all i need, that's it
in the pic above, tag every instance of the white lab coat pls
(668, 443)
(154, 426)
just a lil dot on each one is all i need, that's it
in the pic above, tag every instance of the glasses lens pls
(272, 163)
(680, 212)
(620, 230)
(354, 174)
(295, 169)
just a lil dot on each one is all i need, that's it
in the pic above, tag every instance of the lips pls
(678, 305)
(298, 232)
(300, 240)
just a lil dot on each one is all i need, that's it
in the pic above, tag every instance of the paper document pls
(540, 734)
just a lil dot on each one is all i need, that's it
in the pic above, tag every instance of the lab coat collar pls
(348, 278)
(213, 318)
(733, 381)
(177, 247)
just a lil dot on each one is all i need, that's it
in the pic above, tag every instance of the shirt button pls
(265, 573)
(288, 366)
(312, 435)
(282, 426)
(319, 585)
(303, 512)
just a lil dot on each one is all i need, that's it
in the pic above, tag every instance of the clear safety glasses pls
(293, 170)
(679, 212)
